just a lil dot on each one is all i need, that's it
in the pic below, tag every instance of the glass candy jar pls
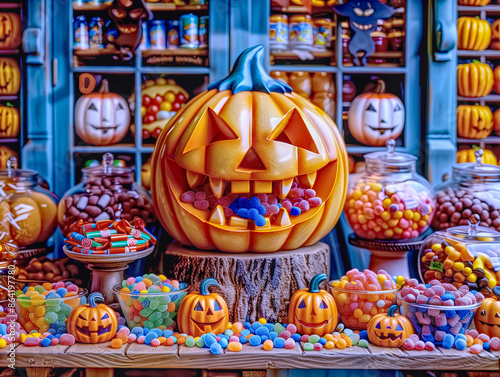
(473, 189)
(389, 200)
(28, 212)
(107, 192)
(467, 254)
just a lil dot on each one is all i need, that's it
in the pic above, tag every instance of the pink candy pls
(201, 204)
(188, 197)
(140, 286)
(289, 343)
(318, 346)
(473, 333)
(408, 344)
(155, 342)
(429, 346)
(124, 330)
(495, 344)
(291, 328)
(285, 334)
(485, 338)
(32, 342)
(476, 348)
(420, 345)
(54, 341)
(141, 339)
(132, 338)
(234, 339)
(67, 339)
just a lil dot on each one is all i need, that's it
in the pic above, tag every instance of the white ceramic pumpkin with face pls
(102, 118)
(376, 117)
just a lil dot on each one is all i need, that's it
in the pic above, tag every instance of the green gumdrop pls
(314, 339)
(51, 317)
(132, 324)
(53, 308)
(190, 342)
(278, 328)
(137, 318)
(154, 303)
(124, 283)
(363, 343)
(168, 321)
(200, 343)
(40, 289)
(162, 308)
(165, 315)
(53, 302)
(158, 323)
(141, 298)
(18, 293)
(129, 302)
(164, 300)
(24, 301)
(149, 324)
(61, 316)
(155, 316)
(66, 309)
(145, 312)
(308, 347)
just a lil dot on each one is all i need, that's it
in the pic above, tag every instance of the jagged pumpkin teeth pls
(308, 180)
(194, 179)
(240, 187)
(283, 187)
(218, 186)
(262, 187)
(218, 217)
(238, 222)
(282, 218)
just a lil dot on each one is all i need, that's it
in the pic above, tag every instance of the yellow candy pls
(40, 311)
(381, 278)
(357, 194)
(389, 233)
(377, 187)
(400, 280)
(23, 337)
(422, 223)
(229, 326)
(458, 266)
(365, 318)
(341, 343)
(398, 215)
(329, 345)
(362, 219)
(467, 271)
(471, 278)
(386, 203)
(358, 313)
(144, 291)
(262, 321)
(165, 289)
(30, 289)
(416, 216)
(3, 343)
(373, 310)
(436, 247)
(393, 222)
(425, 218)
(385, 226)
(414, 226)
(398, 230)
(385, 215)
(377, 228)
(336, 283)
(408, 214)
(36, 335)
(351, 202)
(328, 337)
(162, 277)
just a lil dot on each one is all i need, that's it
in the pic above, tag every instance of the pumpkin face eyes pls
(92, 107)
(198, 307)
(323, 305)
(217, 306)
(302, 305)
(371, 108)
(497, 315)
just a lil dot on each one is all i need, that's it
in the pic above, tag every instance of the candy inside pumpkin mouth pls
(361, 26)
(201, 325)
(313, 324)
(101, 330)
(489, 324)
(127, 29)
(382, 130)
(388, 335)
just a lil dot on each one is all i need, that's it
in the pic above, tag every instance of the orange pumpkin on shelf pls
(496, 80)
(469, 155)
(10, 77)
(102, 118)
(313, 310)
(496, 122)
(5, 154)
(475, 3)
(495, 35)
(10, 31)
(9, 122)
(487, 318)
(203, 312)
(474, 121)
(93, 322)
(474, 79)
(146, 174)
(248, 135)
(389, 330)
(473, 33)
(374, 118)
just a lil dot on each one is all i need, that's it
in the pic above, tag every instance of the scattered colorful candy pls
(109, 237)
(357, 308)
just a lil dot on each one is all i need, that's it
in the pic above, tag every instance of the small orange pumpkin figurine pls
(389, 330)
(313, 310)
(487, 318)
(93, 323)
(203, 312)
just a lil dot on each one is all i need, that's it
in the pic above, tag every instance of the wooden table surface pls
(143, 356)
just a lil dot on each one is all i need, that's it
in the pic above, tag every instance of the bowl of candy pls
(150, 301)
(361, 295)
(437, 309)
(46, 307)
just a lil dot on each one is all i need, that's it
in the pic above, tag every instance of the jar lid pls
(477, 168)
(475, 232)
(12, 171)
(390, 157)
(107, 168)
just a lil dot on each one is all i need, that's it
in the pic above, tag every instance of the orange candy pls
(268, 345)
(116, 343)
(237, 346)
(170, 341)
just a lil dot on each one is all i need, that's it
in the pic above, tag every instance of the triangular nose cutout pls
(251, 162)
(210, 312)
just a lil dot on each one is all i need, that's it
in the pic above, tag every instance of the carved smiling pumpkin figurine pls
(249, 135)
(10, 77)
(10, 31)
(93, 323)
(389, 330)
(376, 117)
(487, 318)
(474, 121)
(313, 310)
(203, 312)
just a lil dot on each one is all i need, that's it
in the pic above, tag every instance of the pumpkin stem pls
(93, 297)
(248, 74)
(210, 282)
(104, 86)
(392, 310)
(314, 285)
(380, 88)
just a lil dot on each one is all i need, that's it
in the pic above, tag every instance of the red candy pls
(188, 197)
(201, 204)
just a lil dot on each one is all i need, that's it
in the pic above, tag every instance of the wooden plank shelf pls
(9, 52)
(476, 53)
(9, 140)
(488, 140)
(8, 98)
(182, 357)
(472, 9)
(90, 7)
(286, 54)
(160, 7)
(488, 98)
(7, 5)
(175, 52)
(124, 148)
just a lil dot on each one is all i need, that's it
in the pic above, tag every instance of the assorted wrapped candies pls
(46, 307)
(150, 301)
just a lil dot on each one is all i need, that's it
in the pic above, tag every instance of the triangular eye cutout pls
(105, 316)
(293, 130)
(397, 107)
(302, 305)
(323, 305)
(497, 315)
(209, 129)
(377, 326)
(399, 328)
(251, 162)
(198, 307)
(483, 312)
(216, 306)
(92, 107)
(371, 108)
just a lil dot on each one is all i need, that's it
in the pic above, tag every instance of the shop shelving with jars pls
(396, 62)
(190, 68)
(490, 13)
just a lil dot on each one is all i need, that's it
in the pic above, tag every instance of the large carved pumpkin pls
(473, 33)
(469, 155)
(474, 121)
(10, 31)
(102, 118)
(474, 79)
(248, 135)
(203, 312)
(487, 318)
(9, 122)
(374, 118)
(10, 77)
(161, 99)
(475, 3)
(389, 330)
(93, 322)
(313, 310)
